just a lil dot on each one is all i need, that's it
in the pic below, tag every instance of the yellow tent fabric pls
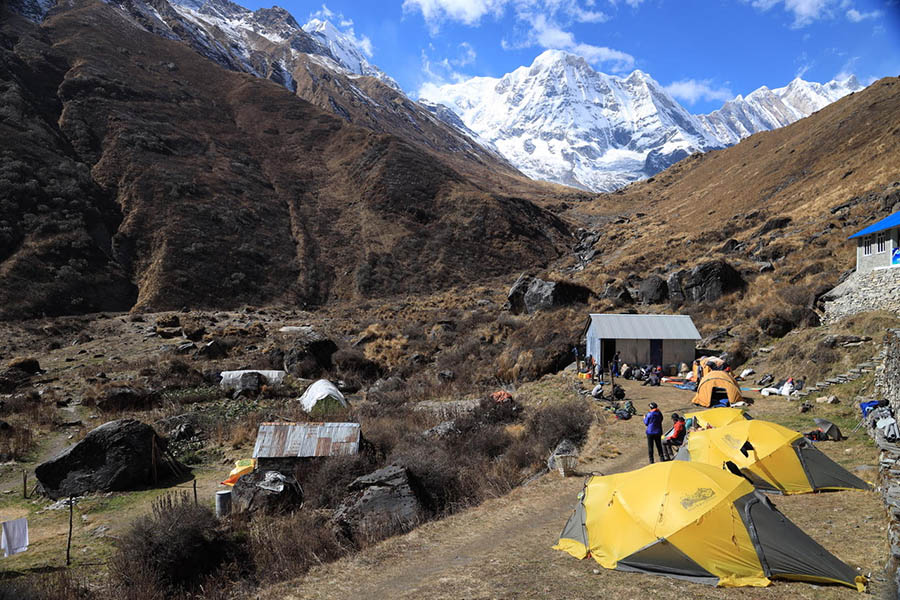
(692, 521)
(773, 457)
(717, 379)
(241, 467)
(717, 417)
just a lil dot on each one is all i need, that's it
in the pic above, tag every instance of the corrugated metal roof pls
(886, 223)
(643, 327)
(303, 440)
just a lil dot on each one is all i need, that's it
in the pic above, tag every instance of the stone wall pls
(863, 292)
(887, 385)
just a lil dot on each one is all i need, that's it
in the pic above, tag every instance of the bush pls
(325, 481)
(172, 549)
(352, 363)
(285, 547)
(551, 424)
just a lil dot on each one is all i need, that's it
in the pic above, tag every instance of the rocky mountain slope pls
(560, 120)
(777, 207)
(316, 61)
(139, 173)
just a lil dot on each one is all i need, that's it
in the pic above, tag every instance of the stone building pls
(878, 245)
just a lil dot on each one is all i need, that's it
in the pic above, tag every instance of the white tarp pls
(320, 390)
(230, 379)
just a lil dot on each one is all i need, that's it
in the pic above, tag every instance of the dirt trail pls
(434, 560)
(502, 548)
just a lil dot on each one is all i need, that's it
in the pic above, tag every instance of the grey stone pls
(828, 400)
(250, 384)
(654, 290)
(531, 294)
(304, 352)
(117, 456)
(266, 491)
(382, 500)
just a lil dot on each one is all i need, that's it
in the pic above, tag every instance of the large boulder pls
(706, 282)
(618, 293)
(382, 502)
(266, 491)
(654, 290)
(531, 294)
(117, 456)
(303, 351)
(117, 397)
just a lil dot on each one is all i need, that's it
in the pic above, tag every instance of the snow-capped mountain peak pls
(346, 49)
(560, 120)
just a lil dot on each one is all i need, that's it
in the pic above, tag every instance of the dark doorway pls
(607, 352)
(656, 352)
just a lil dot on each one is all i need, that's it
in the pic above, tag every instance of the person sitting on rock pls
(676, 438)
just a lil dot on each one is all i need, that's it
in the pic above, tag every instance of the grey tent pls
(829, 429)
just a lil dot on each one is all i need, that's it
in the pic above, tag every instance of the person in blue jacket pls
(653, 421)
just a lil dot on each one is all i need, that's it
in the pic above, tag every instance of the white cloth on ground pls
(14, 538)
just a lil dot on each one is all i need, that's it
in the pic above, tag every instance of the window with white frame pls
(881, 242)
(867, 245)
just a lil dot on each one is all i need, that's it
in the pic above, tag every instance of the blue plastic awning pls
(886, 223)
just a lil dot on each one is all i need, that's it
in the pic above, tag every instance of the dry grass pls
(501, 549)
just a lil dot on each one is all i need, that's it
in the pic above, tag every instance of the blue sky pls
(704, 51)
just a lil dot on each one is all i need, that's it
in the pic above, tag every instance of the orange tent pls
(713, 386)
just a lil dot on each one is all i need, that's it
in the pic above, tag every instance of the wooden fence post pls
(24, 484)
(69, 543)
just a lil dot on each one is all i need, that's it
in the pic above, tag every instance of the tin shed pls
(641, 339)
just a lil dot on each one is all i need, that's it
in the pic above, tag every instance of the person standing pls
(617, 360)
(653, 421)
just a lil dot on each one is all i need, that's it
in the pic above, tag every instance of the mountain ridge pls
(610, 130)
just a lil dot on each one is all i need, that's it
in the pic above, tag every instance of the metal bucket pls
(223, 503)
(566, 464)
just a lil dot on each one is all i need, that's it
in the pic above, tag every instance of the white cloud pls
(693, 90)
(362, 42)
(804, 11)
(546, 32)
(856, 16)
(539, 23)
(469, 12)
(466, 57)
(440, 72)
(323, 14)
(620, 61)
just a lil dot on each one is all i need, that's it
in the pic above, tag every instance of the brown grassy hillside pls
(214, 188)
(777, 197)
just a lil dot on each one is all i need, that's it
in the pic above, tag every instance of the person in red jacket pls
(676, 438)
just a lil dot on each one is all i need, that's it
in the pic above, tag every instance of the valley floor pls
(502, 548)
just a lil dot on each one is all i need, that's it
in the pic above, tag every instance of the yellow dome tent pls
(695, 522)
(717, 417)
(773, 457)
(714, 386)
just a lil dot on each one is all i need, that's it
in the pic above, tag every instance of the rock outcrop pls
(266, 491)
(654, 290)
(117, 456)
(706, 282)
(382, 499)
(531, 294)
